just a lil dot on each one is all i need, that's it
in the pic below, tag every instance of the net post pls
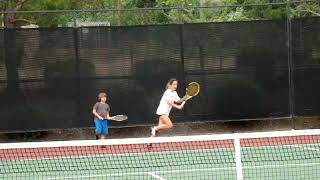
(237, 148)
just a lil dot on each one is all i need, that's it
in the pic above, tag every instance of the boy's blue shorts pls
(101, 126)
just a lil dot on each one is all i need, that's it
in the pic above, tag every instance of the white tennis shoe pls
(153, 131)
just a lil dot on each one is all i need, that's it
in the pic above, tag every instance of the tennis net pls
(266, 155)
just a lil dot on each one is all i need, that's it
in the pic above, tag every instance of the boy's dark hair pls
(101, 95)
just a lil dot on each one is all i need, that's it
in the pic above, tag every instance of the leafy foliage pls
(186, 11)
(306, 9)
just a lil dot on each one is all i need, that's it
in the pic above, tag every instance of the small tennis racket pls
(119, 118)
(192, 90)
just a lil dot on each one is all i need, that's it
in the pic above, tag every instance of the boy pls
(101, 115)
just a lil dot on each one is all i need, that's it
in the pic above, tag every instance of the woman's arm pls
(173, 104)
(184, 98)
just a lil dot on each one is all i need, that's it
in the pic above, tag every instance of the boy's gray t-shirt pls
(101, 108)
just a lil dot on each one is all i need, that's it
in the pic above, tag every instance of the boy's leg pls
(104, 129)
(97, 123)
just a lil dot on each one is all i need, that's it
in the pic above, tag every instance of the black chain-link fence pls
(50, 77)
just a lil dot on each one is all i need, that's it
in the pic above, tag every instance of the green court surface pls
(294, 162)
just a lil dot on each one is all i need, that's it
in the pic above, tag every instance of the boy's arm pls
(107, 115)
(94, 112)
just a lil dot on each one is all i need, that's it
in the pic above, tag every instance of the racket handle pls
(183, 103)
(185, 97)
(188, 97)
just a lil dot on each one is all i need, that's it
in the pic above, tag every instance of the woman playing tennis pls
(169, 99)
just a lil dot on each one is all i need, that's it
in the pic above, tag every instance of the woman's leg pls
(164, 123)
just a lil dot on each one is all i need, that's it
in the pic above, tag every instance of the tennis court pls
(275, 155)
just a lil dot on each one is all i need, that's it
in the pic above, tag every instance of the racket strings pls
(193, 89)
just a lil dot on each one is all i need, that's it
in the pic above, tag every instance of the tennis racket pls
(192, 90)
(119, 118)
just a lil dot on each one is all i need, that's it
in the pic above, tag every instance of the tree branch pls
(315, 13)
(102, 4)
(18, 7)
(22, 20)
(4, 5)
(310, 11)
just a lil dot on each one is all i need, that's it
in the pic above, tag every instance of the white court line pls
(308, 148)
(281, 165)
(97, 175)
(156, 176)
(314, 149)
(188, 170)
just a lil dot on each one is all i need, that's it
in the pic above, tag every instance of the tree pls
(14, 51)
(306, 9)
(9, 19)
(48, 19)
(184, 14)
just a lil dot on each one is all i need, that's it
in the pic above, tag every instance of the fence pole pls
(2, 20)
(77, 63)
(290, 66)
(180, 18)
(183, 73)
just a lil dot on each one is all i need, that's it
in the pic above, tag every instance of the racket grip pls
(188, 97)
(185, 97)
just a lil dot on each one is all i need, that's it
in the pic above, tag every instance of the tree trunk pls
(119, 13)
(202, 3)
(12, 52)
